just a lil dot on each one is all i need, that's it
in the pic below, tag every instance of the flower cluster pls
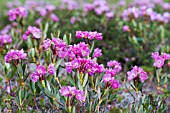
(111, 81)
(97, 53)
(58, 48)
(15, 55)
(84, 65)
(159, 60)
(89, 35)
(99, 7)
(18, 12)
(72, 91)
(143, 11)
(137, 72)
(41, 70)
(108, 78)
(4, 39)
(69, 4)
(78, 51)
(36, 33)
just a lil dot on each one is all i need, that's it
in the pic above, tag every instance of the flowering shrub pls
(95, 57)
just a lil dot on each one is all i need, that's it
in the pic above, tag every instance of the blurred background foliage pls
(116, 44)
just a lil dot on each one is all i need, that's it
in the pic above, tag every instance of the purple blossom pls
(160, 59)
(137, 72)
(38, 21)
(85, 66)
(36, 33)
(58, 43)
(47, 43)
(72, 19)
(69, 4)
(125, 28)
(115, 84)
(159, 62)
(50, 7)
(88, 7)
(80, 95)
(14, 55)
(72, 91)
(115, 65)
(89, 35)
(34, 76)
(165, 56)
(132, 74)
(54, 17)
(66, 91)
(18, 12)
(143, 76)
(41, 70)
(78, 51)
(107, 78)
(155, 55)
(4, 39)
(109, 15)
(51, 69)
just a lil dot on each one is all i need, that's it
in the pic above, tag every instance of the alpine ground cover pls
(85, 56)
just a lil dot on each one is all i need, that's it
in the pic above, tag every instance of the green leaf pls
(58, 63)
(67, 38)
(85, 80)
(92, 47)
(71, 81)
(73, 109)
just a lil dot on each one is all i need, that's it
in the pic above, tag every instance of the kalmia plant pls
(94, 57)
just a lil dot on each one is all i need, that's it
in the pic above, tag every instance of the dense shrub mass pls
(77, 56)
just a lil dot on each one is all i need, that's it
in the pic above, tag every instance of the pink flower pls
(38, 21)
(80, 95)
(155, 55)
(47, 43)
(72, 91)
(160, 59)
(97, 53)
(15, 55)
(41, 70)
(51, 69)
(21, 11)
(165, 56)
(50, 7)
(107, 78)
(132, 74)
(85, 66)
(115, 65)
(66, 91)
(159, 62)
(89, 35)
(111, 71)
(78, 51)
(69, 67)
(137, 72)
(4, 39)
(143, 76)
(109, 15)
(12, 15)
(34, 77)
(54, 17)
(125, 28)
(35, 32)
(18, 12)
(72, 20)
(115, 84)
